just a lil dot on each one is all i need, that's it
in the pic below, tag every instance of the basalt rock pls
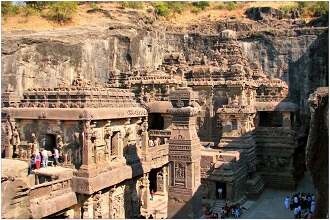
(317, 150)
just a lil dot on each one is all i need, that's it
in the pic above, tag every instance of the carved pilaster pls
(88, 208)
(87, 144)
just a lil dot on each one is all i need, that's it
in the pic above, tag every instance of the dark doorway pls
(50, 142)
(153, 180)
(156, 121)
(221, 185)
(270, 119)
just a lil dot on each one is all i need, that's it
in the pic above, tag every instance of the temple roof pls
(81, 93)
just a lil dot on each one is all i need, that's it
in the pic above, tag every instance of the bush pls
(231, 6)
(162, 9)
(134, 5)
(196, 10)
(38, 5)
(220, 6)
(7, 8)
(288, 8)
(28, 11)
(320, 8)
(176, 7)
(202, 4)
(62, 11)
(94, 6)
(166, 8)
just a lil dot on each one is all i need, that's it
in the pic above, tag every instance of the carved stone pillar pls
(87, 144)
(77, 212)
(165, 179)
(145, 140)
(88, 208)
(145, 191)
(184, 155)
(108, 150)
(121, 146)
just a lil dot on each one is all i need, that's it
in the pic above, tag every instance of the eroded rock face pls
(317, 151)
(44, 59)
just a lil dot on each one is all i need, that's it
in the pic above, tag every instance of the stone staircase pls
(255, 187)
(217, 205)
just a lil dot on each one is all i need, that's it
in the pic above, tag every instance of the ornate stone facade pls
(200, 123)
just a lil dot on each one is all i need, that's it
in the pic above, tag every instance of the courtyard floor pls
(271, 203)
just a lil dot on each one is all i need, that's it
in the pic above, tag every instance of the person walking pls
(296, 212)
(32, 164)
(44, 155)
(313, 206)
(295, 201)
(152, 195)
(287, 202)
(56, 156)
(220, 192)
(37, 160)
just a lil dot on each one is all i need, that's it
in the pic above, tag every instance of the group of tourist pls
(42, 157)
(302, 204)
(156, 142)
(232, 211)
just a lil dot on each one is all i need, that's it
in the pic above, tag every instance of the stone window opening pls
(156, 121)
(270, 119)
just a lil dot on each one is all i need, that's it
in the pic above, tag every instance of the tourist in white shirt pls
(56, 156)
(44, 155)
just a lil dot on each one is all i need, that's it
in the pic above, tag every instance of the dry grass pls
(82, 18)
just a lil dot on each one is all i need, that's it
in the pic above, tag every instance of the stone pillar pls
(184, 155)
(229, 194)
(145, 141)
(77, 212)
(87, 144)
(145, 191)
(121, 145)
(88, 208)
(165, 179)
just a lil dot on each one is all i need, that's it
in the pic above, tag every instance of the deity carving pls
(35, 143)
(98, 205)
(180, 171)
(107, 139)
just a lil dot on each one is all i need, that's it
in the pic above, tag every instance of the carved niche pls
(180, 173)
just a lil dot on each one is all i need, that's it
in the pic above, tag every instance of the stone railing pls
(51, 197)
(161, 135)
(50, 189)
(159, 153)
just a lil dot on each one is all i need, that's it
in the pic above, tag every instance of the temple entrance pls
(50, 142)
(221, 190)
(153, 180)
(156, 121)
(114, 144)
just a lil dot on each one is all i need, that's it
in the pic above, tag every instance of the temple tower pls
(184, 156)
